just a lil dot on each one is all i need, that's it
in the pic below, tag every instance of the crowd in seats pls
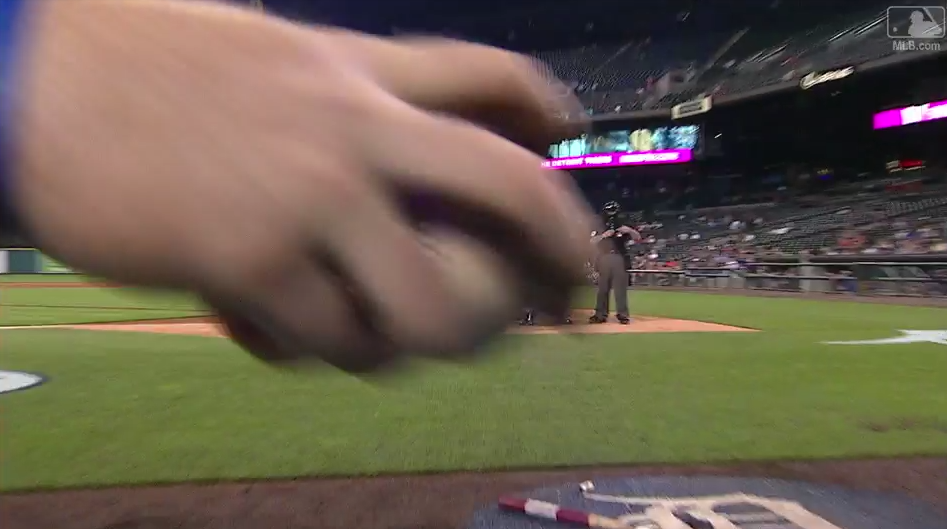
(579, 65)
(620, 79)
(614, 101)
(806, 54)
(879, 222)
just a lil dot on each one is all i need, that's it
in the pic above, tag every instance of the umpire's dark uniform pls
(612, 275)
(611, 264)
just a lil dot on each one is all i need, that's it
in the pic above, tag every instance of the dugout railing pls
(904, 275)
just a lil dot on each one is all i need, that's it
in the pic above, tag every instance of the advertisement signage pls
(692, 108)
(909, 115)
(674, 144)
(816, 78)
(618, 160)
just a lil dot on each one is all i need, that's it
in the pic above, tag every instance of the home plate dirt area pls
(440, 501)
(208, 326)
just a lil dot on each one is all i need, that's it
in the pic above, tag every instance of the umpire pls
(611, 264)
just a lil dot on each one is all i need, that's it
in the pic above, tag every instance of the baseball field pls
(134, 410)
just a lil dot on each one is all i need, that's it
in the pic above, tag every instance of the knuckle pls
(246, 268)
(344, 195)
(348, 99)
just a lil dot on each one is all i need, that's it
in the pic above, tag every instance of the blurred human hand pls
(270, 168)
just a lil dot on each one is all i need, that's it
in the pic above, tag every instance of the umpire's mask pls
(610, 209)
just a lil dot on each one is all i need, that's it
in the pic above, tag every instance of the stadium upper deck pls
(612, 51)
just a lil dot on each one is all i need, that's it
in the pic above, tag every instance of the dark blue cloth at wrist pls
(11, 21)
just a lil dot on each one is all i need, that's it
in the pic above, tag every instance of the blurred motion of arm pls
(170, 144)
(602, 236)
(633, 233)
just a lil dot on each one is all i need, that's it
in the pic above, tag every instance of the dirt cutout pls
(443, 501)
(208, 326)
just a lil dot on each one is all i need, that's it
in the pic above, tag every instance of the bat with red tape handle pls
(551, 511)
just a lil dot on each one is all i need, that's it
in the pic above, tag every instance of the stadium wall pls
(30, 261)
(860, 275)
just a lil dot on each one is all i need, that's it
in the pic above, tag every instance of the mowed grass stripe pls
(47, 278)
(30, 316)
(97, 297)
(48, 306)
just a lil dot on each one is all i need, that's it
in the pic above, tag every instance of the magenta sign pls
(910, 115)
(620, 159)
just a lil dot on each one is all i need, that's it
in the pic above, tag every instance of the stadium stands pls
(875, 223)
(620, 78)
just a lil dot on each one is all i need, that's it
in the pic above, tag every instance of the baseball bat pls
(551, 511)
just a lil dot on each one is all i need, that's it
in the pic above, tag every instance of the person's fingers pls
(410, 295)
(492, 189)
(484, 287)
(509, 93)
(309, 315)
(300, 314)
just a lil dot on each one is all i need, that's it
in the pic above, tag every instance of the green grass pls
(45, 278)
(128, 408)
(47, 306)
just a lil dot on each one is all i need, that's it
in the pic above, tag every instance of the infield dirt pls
(441, 501)
(208, 326)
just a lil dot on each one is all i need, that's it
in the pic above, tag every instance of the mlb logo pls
(916, 22)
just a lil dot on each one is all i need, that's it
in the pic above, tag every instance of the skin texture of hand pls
(279, 171)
